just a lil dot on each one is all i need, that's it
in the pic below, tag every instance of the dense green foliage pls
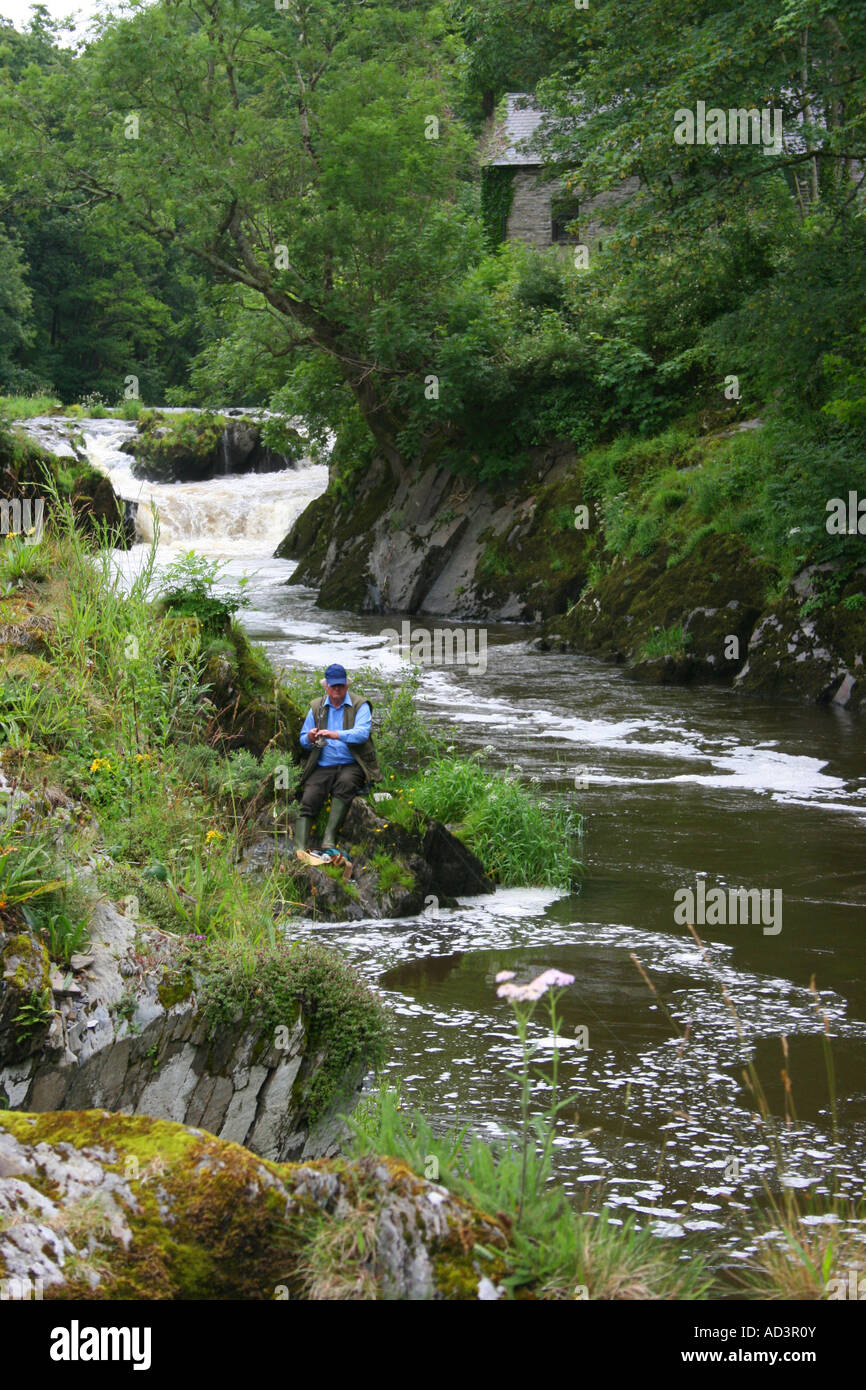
(281, 983)
(332, 261)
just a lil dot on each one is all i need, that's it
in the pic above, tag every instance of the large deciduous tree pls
(308, 153)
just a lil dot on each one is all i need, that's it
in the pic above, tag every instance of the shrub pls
(189, 589)
(664, 642)
(272, 983)
(519, 838)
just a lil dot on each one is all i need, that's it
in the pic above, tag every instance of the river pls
(675, 784)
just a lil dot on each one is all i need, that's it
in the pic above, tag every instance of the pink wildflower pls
(549, 979)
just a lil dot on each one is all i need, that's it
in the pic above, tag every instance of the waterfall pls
(235, 515)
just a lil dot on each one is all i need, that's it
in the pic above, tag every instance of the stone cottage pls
(522, 204)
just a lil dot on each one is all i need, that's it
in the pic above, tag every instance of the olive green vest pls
(363, 753)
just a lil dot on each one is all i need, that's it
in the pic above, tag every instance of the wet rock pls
(97, 506)
(435, 544)
(431, 862)
(167, 449)
(817, 655)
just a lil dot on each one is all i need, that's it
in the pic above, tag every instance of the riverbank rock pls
(704, 607)
(24, 463)
(435, 543)
(440, 545)
(133, 1028)
(195, 446)
(818, 654)
(113, 1206)
(395, 872)
(251, 710)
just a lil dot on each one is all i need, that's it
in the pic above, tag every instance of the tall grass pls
(519, 837)
(115, 710)
(25, 407)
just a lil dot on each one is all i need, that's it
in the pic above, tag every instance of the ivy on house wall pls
(497, 195)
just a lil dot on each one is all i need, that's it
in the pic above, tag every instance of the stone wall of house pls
(529, 219)
(590, 224)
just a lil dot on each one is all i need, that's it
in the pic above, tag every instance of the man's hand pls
(321, 733)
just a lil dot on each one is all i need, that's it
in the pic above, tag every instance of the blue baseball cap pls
(336, 675)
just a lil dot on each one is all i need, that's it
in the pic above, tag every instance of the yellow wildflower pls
(211, 836)
(100, 765)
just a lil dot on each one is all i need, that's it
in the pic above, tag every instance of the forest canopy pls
(235, 202)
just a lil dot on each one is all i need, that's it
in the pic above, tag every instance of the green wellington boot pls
(339, 810)
(302, 832)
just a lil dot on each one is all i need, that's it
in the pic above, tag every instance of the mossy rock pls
(716, 592)
(26, 1001)
(125, 1207)
(24, 466)
(331, 539)
(540, 557)
(176, 448)
(253, 711)
(22, 666)
(96, 507)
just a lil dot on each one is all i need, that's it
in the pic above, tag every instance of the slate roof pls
(511, 141)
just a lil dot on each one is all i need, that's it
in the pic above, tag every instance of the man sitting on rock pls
(341, 760)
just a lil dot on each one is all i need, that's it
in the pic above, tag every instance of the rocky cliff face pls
(436, 545)
(126, 1207)
(123, 1030)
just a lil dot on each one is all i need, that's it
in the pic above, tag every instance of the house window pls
(564, 210)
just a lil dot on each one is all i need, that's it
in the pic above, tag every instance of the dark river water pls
(675, 785)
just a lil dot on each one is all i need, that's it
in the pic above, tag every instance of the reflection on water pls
(674, 784)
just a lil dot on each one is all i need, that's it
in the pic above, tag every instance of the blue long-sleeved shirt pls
(334, 750)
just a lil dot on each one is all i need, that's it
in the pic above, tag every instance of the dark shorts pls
(343, 781)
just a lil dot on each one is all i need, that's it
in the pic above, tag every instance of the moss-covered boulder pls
(195, 445)
(25, 465)
(252, 710)
(396, 871)
(98, 1205)
(97, 507)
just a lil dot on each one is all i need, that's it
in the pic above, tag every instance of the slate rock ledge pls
(120, 1038)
